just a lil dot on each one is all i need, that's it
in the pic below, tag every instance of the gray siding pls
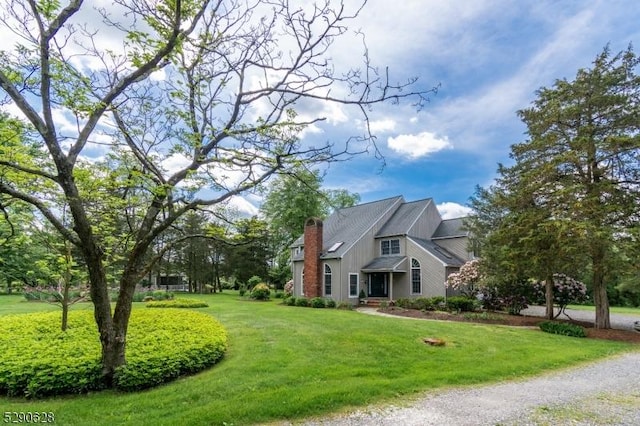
(432, 270)
(427, 223)
(458, 246)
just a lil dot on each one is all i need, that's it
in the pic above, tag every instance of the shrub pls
(39, 360)
(344, 306)
(384, 304)
(288, 288)
(254, 281)
(279, 295)
(290, 301)
(403, 302)
(242, 292)
(461, 304)
(423, 304)
(302, 301)
(331, 303)
(562, 328)
(438, 302)
(362, 294)
(143, 296)
(318, 302)
(566, 290)
(177, 303)
(260, 292)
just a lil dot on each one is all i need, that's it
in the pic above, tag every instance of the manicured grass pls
(612, 309)
(289, 362)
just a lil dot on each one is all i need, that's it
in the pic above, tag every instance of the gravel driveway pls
(601, 393)
(622, 322)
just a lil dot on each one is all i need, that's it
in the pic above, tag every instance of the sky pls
(486, 57)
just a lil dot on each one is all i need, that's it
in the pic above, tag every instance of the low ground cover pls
(287, 363)
(38, 359)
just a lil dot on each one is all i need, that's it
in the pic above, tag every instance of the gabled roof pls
(404, 218)
(348, 225)
(451, 228)
(440, 253)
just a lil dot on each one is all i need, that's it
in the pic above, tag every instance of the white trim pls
(419, 268)
(357, 275)
(324, 278)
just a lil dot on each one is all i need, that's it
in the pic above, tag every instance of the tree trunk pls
(65, 306)
(112, 344)
(600, 297)
(548, 296)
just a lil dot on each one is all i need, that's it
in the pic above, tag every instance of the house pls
(390, 249)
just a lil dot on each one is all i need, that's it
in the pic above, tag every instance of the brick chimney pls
(312, 251)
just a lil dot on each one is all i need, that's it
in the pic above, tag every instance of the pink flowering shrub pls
(566, 290)
(288, 288)
(468, 279)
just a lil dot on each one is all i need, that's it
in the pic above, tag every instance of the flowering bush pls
(512, 296)
(260, 292)
(288, 288)
(467, 279)
(566, 290)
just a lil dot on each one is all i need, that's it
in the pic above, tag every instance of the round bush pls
(177, 303)
(302, 301)
(331, 303)
(260, 292)
(318, 302)
(39, 360)
(290, 301)
(461, 304)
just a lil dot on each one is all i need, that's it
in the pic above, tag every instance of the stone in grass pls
(636, 326)
(432, 341)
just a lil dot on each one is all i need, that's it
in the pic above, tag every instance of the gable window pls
(327, 280)
(390, 247)
(353, 285)
(416, 277)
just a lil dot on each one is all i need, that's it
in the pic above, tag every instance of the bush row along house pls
(390, 249)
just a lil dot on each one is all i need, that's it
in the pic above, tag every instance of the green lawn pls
(287, 363)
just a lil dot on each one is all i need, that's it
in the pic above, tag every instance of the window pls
(327, 280)
(335, 247)
(416, 277)
(390, 247)
(353, 285)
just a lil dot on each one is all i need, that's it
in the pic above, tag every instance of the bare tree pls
(201, 101)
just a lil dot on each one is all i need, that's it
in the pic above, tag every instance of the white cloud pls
(419, 145)
(449, 210)
(243, 206)
(380, 126)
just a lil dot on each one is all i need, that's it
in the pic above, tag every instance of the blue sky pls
(489, 58)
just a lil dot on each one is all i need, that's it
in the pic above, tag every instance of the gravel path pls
(601, 393)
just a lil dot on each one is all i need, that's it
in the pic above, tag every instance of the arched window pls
(327, 280)
(416, 277)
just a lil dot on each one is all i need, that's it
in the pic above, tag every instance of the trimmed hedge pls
(39, 360)
(177, 303)
(562, 328)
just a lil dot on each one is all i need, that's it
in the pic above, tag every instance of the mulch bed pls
(515, 320)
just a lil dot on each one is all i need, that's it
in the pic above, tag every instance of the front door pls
(378, 285)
